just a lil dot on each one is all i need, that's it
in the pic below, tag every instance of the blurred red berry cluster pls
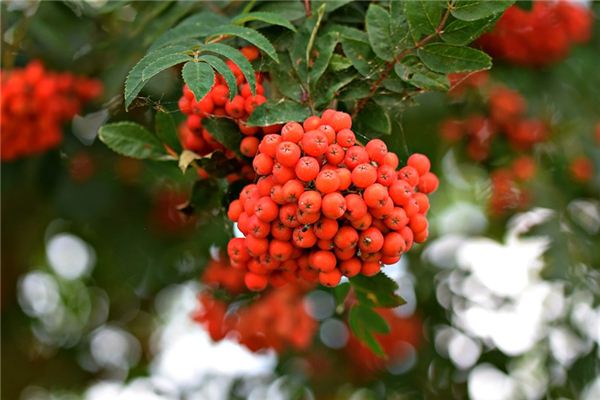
(34, 103)
(277, 320)
(326, 206)
(539, 36)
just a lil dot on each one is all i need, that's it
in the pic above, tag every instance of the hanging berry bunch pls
(35, 103)
(326, 206)
(539, 36)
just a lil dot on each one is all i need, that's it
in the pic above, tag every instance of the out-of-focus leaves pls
(196, 26)
(373, 120)
(166, 130)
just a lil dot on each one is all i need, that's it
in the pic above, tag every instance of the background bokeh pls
(100, 266)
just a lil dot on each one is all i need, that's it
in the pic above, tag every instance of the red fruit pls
(280, 250)
(376, 149)
(282, 174)
(350, 267)
(266, 209)
(333, 205)
(311, 123)
(252, 102)
(249, 146)
(234, 210)
(288, 154)
(280, 232)
(255, 282)
(219, 95)
(428, 183)
(304, 237)
(410, 175)
(376, 195)
(341, 120)
(292, 190)
(346, 138)
(307, 169)
(326, 228)
(356, 207)
(335, 154)
(324, 261)
(314, 143)
(355, 155)
(393, 245)
(262, 164)
(419, 162)
(310, 201)
(268, 145)
(292, 132)
(330, 279)
(370, 268)
(329, 133)
(370, 240)
(250, 52)
(345, 177)
(364, 175)
(235, 107)
(327, 181)
(346, 237)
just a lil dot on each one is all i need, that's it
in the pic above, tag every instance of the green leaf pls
(362, 57)
(196, 26)
(329, 86)
(222, 68)
(268, 17)
(225, 132)
(373, 120)
(340, 292)
(238, 58)
(423, 17)
(463, 32)
(284, 78)
(132, 140)
(378, 290)
(324, 47)
(448, 58)
(330, 5)
(471, 10)
(271, 113)
(378, 30)
(339, 63)
(364, 323)
(250, 35)
(135, 82)
(412, 70)
(200, 78)
(161, 63)
(166, 130)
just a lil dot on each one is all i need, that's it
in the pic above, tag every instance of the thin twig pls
(390, 64)
(307, 8)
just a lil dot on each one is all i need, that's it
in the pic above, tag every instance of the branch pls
(307, 8)
(390, 64)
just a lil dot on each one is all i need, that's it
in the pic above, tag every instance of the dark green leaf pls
(324, 47)
(199, 77)
(471, 10)
(291, 10)
(161, 63)
(298, 49)
(268, 17)
(196, 26)
(132, 140)
(135, 82)
(355, 90)
(378, 30)
(378, 290)
(340, 292)
(221, 67)
(330, 5)
(464, 32)
(374, 121)
(447, 58)
(330, 85)
(364, 323)
(270, 113)
(362, 57)
(412, 70)
(225, 132)
(238, 58)
(285, 79)
(339, 63)
(250, 35)
(166, 130)
(423, 17)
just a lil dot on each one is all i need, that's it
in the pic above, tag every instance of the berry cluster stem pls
(390, 64)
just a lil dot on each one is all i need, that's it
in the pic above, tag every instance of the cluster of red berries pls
(581, 169)
(277, 320)
(508, 185)
(216, 103)
(34, 103)
(538, 36)
(325, 206)
(506, 116)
